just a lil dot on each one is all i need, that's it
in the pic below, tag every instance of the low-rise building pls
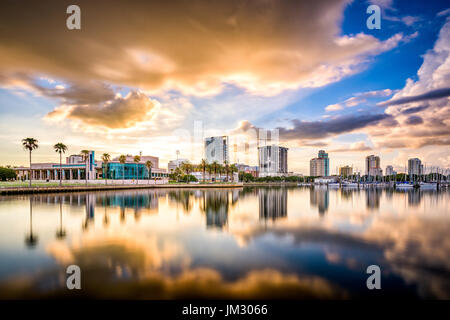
(173, 164)
(79, 168)
(253, 170)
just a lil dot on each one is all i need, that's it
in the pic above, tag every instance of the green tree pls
(7, 174)
(122, 160)
(106, 158)
(187, 168)
(85, 154)
(60, 148)
(30, 144)
(177, 174)
(137, 159)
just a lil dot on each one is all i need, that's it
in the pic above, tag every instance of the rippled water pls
(226, 243)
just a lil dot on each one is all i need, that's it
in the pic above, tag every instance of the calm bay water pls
(226, 243)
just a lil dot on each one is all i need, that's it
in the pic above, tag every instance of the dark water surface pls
(226, 243)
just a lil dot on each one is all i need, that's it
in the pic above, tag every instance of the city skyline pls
(354, 91)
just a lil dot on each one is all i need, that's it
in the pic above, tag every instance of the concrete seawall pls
(28, 190)
(270, 184)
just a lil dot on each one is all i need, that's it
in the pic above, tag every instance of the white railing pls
(102, 182)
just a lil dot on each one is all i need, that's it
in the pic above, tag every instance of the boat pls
(333, 185)
(404, 186)
(427, 185)
(349, 185)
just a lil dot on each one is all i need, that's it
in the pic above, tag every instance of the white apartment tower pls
(216, 149)
(272, 160)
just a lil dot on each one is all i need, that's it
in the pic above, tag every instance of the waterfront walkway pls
(78, 188)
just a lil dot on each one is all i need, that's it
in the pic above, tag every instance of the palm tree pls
(233, 169)
(226, 168)
(106, 158)
(210, 169)
(137, 159)
(222, 170)
(122, 160)
(149, 166)
(60, 148)
(202, 166)
(187, 168)
(85, 154)
(215, 166)
(30, 144)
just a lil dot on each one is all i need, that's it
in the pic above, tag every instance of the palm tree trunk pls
(60, 169)
(123, 174)
(31, 172)
(106, 173)
(86, 172)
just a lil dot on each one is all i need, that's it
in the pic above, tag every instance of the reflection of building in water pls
(347, 193)
(133, 200)
(216, 208)
(234, 196)
(373, 196)
(90, 206)
(90, 210)
(320, 197)
(272, 203)
(414, 197)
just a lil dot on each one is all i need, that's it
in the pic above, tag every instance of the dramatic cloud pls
(413, 120)
(320, 129)
(193, 46)
(114, 114)
(308, 133)
(427, 99)
(430, 95)
(359, 98)
(83, 92)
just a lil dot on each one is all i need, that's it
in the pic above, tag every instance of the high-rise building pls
(216, 149)
(272, 160)
(390, 171)
(373, 166)
(415, 166)
(345, 171)
(320, 166)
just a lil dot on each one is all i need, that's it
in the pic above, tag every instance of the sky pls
(158, 76)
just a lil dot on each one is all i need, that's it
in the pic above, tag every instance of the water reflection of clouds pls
(156, 249)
